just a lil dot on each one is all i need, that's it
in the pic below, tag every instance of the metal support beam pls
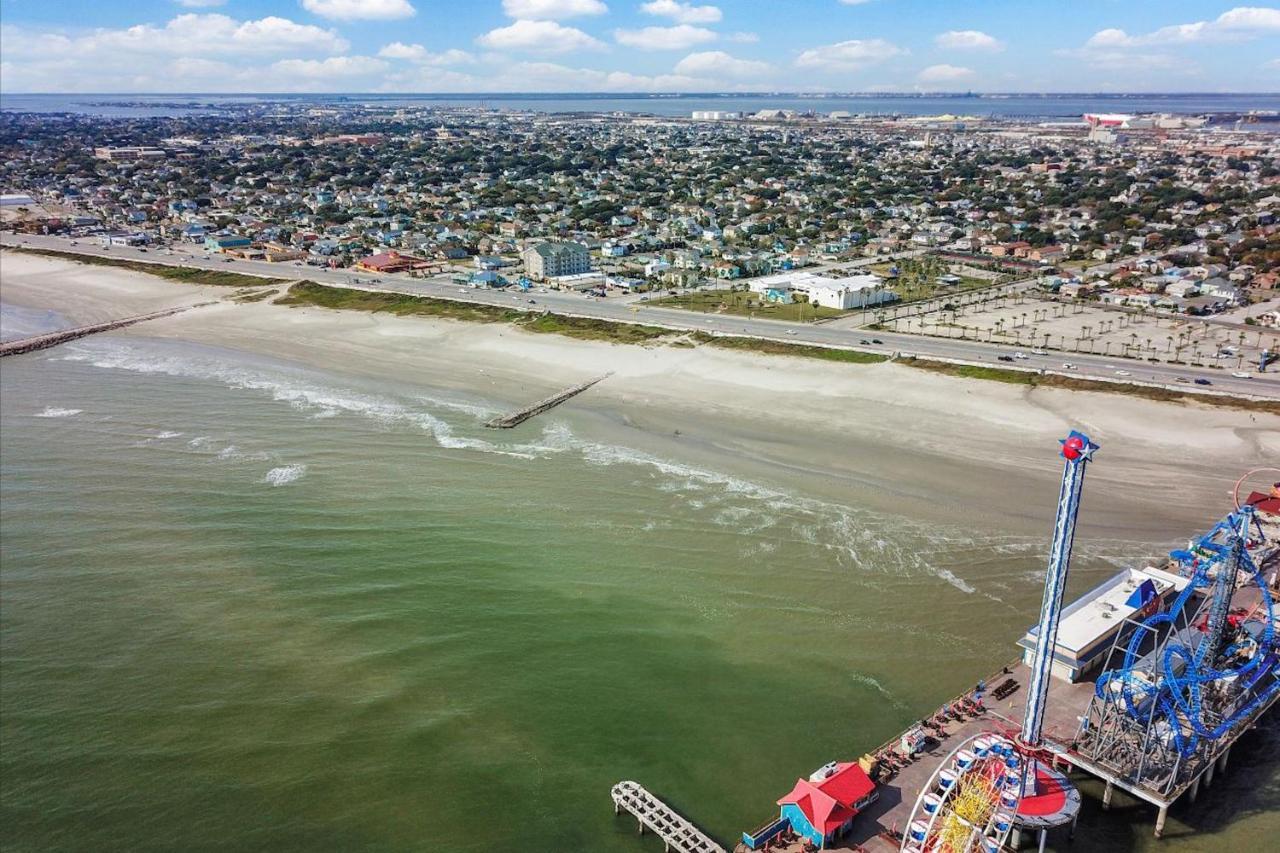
(1195, 790)
(1163, 813)
(1044, 839)
(1106, 795)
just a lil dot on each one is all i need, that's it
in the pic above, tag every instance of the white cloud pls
(1273, 65)
(679, 37)
(360, 10)
(539, 37)
(550, 76)
(188, 34)
(849, 55)
(1243, 23)
(552, 10)
(967, 40)
(419, 54)
(717, 63)
(743, 38)
(854, 2)
(944, 74)
(199, 4)
(682, 13)
(334, 67)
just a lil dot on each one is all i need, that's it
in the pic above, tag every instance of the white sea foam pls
(166, 434)
(56, 412)
(857, 539)
(299, 391)
(284, 475)
(200, 441)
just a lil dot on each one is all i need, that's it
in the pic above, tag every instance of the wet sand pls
(889, 436)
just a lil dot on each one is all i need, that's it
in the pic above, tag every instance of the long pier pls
(677, 833)
(519, 416)
(52, 339)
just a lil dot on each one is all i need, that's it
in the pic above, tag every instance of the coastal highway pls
(632, 310)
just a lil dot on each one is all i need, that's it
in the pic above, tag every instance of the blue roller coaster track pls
(1184, 673)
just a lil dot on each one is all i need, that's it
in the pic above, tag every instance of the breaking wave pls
(284, 475)
(56, 412)
(855, 539)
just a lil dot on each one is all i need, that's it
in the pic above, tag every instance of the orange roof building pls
(390, 262)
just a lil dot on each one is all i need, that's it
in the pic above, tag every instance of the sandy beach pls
(887, 434)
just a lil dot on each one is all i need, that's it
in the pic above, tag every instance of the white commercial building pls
(1091, 625)
(844, 293)
(716, 115)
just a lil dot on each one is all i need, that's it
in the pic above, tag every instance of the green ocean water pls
(245, 605)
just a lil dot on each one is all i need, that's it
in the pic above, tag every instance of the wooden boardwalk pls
(519, 416)
(52, 339)
(677, 833)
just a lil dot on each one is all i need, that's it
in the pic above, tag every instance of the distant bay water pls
(997, 105)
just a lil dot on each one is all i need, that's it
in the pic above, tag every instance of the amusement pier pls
(1145, 682)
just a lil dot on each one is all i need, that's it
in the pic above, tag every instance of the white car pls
(1039, 352)
(1123, 373)
(1021, 355)
(1066, 365)
(791, 331)
(1239, 374)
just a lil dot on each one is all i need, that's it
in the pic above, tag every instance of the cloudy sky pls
(637, 45)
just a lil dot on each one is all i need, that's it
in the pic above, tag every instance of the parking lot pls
(1029, 323)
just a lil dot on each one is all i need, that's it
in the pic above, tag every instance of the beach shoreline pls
(887, 432)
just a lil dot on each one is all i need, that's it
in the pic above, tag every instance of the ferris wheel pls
(970, 801)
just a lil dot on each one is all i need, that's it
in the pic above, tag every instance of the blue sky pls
(637, 45)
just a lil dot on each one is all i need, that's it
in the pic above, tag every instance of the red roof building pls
(390, 262)
(823, 810)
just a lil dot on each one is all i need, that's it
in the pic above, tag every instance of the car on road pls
(876, 341)
(1020, 355)
(1005, 357)
(1198, 381)
(1039, 352)
(864, 342)
(1066, 365)
(1185, 379)
(533, 302)
(1123, 373)
(1240, 374)
(789, 331)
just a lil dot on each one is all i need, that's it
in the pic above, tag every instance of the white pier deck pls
(677, 833)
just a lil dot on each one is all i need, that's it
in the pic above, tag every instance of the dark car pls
(876, 341)
(864, 342)
(1005, 357)
(1203, 382)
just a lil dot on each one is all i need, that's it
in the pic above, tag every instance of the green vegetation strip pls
(781, 348)
(747, 304)
(189, 275)
(1050, 380)
(403, 304)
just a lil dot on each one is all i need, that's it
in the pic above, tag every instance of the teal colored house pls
(822, 807)
(222, 242)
